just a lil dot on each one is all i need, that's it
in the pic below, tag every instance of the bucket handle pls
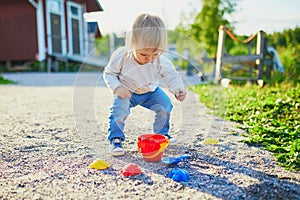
(161, 149)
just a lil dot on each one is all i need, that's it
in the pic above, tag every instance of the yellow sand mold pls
(99, 164)
(211, 141)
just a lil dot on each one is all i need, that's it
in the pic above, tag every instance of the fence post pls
(220, 52)
(260, 51)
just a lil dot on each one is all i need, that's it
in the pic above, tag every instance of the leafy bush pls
(5, 81)
(290, 58)
(239, 49)
(271, 116)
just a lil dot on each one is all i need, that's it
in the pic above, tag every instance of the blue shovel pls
(174, 160)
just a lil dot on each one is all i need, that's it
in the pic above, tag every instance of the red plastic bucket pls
(152, 146)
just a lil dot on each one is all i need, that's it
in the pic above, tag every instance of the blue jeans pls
(157, 101)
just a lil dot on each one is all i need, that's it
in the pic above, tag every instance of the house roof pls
(93, 6)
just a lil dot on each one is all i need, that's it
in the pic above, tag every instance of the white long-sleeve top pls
(123, 70)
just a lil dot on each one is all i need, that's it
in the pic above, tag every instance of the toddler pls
(133, 75)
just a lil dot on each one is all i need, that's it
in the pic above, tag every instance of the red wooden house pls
(38, 30)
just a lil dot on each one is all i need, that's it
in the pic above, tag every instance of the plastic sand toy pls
(179, 175)
(99, 164)
(174, 160)
(130, 170)
(152, 146)
(211, 141)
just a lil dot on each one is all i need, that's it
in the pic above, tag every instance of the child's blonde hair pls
(147, 31)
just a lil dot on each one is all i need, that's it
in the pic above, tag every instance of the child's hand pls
(180, 95)
(122, 92)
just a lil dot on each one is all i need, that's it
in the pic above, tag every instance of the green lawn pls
(271, 116)
(5, 81)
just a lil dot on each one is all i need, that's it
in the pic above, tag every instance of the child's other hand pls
(180, 95)
(122, 92)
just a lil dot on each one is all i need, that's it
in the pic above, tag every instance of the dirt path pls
(49, 135)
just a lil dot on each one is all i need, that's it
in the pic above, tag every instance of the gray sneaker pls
(116, 147)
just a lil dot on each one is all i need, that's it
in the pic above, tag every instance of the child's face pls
(144, 56)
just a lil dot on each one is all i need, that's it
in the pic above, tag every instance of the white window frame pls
(80, 21)
(63, 27)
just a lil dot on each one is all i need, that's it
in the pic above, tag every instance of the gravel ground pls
(54, 125)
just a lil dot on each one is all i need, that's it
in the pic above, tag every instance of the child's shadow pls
(247, 184)
(220, 178)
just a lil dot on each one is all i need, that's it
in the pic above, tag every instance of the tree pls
(286, 38)
(206, 24)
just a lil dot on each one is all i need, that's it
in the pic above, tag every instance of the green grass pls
(271, 116)
(5, 81)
